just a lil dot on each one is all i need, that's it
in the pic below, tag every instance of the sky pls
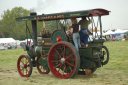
(116, 20)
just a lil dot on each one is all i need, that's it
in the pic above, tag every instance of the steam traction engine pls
(57, 53)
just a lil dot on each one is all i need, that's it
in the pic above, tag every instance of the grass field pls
(114, 73)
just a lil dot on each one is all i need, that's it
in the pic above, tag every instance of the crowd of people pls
(11, 46)
(8, 46)
(115, 38)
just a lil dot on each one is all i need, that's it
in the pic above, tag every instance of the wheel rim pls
(24, 66)
(62, 60)
(105, 54)
(40, 68)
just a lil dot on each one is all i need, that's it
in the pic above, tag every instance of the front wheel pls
(24, 66)
(64, 60)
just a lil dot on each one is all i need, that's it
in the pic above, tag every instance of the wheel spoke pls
(26, 71)
(69, 64)
(57, 65)
(59, 68)
(61, 49)
(68, 51)
(57, 56)
(68, 56)
(22, 61)
(21, 69)
(27, 62)
(64, 52)
(57, 53)
(65, 68)
(56, 61)
(70, 68)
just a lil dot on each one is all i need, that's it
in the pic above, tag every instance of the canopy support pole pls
(92, 24)
(100, 26)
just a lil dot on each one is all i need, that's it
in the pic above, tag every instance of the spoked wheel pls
(24, 66)
(63, 60)
(105, 54)
(40, 68)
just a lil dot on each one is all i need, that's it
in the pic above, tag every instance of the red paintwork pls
(24, 72)
(59, 38)
(58, 71)
(96, 12)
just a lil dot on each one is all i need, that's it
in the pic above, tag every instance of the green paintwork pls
(44, 62)
(57, 33)
(52, 16)
(46, 46)
(85, 63)
(38, 50)
(65, 15)
(99, 40)
(89, 52)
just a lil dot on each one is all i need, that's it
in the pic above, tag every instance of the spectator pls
(75, 31)
(84, 32)
(9, 46)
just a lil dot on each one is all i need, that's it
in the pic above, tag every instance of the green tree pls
(9, 27)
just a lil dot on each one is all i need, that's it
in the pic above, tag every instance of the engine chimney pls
(34, 28)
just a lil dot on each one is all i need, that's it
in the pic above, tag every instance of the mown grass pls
(114, 73)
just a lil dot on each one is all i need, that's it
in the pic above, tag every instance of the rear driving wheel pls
(105, 54)
(63, 60)
(24, 66)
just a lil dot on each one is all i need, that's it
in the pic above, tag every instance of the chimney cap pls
(33, 13)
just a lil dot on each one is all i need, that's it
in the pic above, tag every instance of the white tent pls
(109, 32)
(7, 40)
(119, 31)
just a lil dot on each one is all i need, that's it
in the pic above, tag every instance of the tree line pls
(9, 27)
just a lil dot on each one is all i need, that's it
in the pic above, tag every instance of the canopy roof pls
(119, 31)
(65, 15)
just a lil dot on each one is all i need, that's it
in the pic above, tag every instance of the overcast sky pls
(116, 20)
